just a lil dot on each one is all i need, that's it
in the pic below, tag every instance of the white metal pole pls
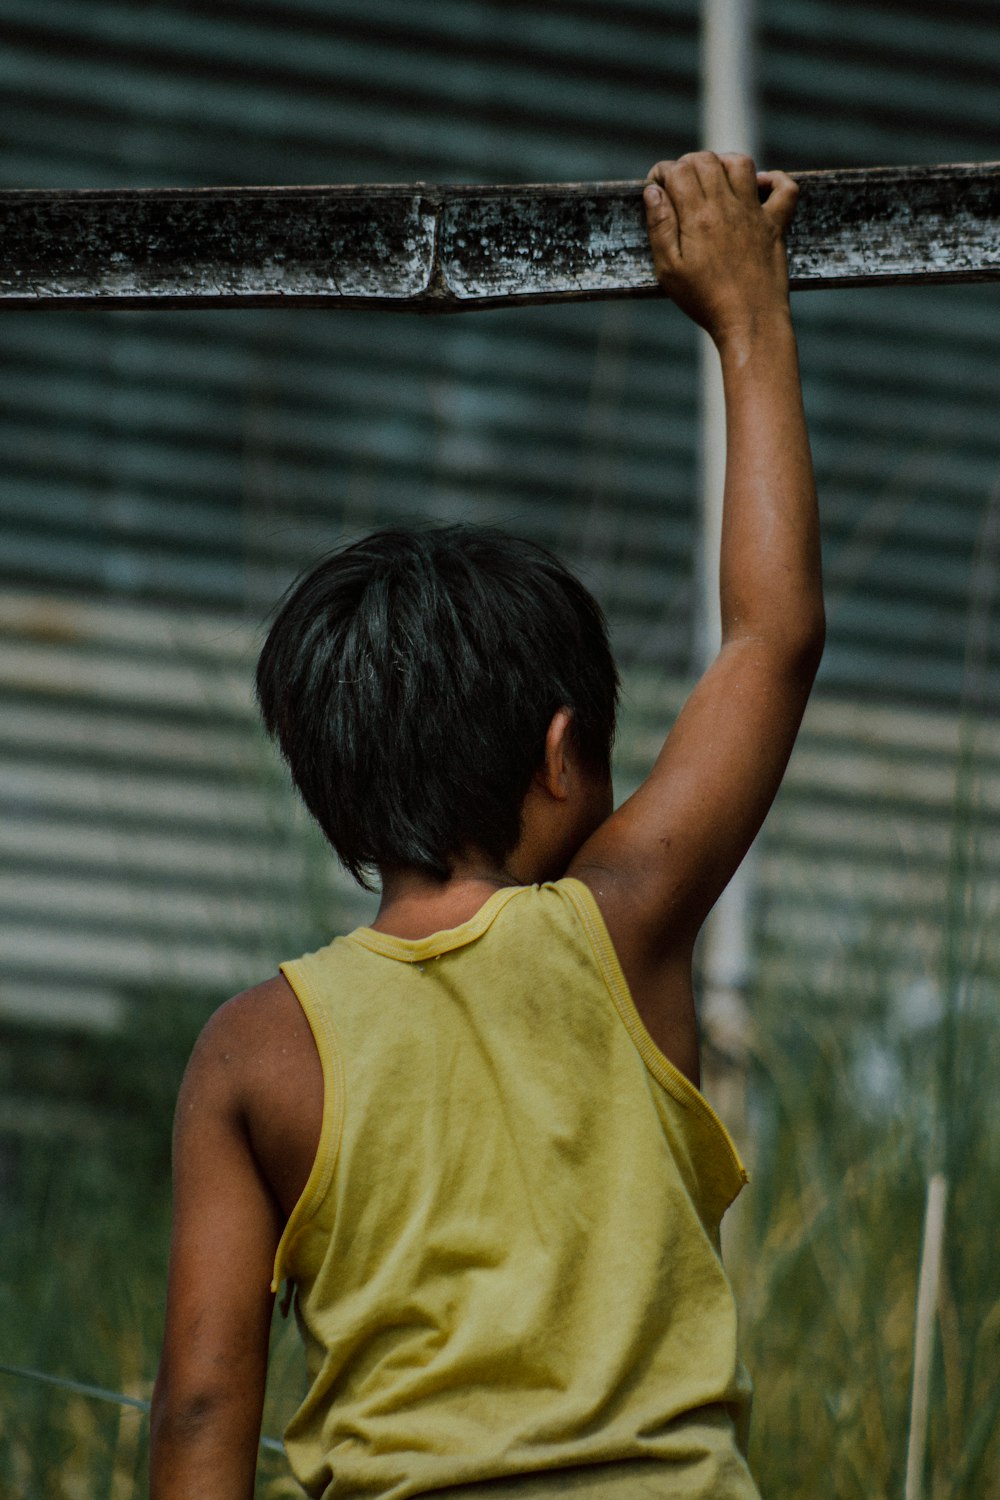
(923, 1338)
(728, 124)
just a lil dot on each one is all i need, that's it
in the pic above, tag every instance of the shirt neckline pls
(416, 950)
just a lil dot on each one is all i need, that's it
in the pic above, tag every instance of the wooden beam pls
(428, 249)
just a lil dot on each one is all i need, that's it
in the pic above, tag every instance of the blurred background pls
(164, 477)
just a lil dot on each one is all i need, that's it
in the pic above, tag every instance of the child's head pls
(410, 680)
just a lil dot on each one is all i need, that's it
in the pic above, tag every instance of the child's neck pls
(414, 905)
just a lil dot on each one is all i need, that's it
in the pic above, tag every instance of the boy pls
(470, 1136)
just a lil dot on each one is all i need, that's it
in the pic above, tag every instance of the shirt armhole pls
(321, 1173)
(663, 1070)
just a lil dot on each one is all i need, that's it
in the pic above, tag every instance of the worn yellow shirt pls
(507, 1253)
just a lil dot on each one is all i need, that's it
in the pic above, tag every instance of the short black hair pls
(409, 680)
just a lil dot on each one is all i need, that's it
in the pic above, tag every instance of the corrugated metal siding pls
(148, 838)
(164, 475)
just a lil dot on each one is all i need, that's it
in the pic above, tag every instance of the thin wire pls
(98, 1393)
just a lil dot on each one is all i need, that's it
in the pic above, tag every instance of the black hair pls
(409, 680)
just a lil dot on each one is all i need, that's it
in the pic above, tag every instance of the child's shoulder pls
(255, 1061)
(242, 1032)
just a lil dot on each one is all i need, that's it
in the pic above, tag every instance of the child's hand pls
(717, 251)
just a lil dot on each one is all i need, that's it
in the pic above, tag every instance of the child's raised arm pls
(661, 861)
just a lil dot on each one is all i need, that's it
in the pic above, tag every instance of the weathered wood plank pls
(427, 249)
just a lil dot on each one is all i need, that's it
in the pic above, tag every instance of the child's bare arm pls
(206, 1412)
(660, 862)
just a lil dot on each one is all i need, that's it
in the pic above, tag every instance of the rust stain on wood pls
(427, 249)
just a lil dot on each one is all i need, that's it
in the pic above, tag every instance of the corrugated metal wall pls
(164, 475)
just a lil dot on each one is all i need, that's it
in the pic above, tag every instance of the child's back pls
(506, 1257)
(471, 1135)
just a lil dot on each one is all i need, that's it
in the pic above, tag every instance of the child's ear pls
(553, 773)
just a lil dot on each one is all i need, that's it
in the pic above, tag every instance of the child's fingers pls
(662, 208)
(680, 180)
(697, 174)
(782, 197)
(741, 175)
(661, 218)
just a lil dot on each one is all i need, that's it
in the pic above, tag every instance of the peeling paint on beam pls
(426, 249)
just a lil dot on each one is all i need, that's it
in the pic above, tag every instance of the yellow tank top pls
(506, 1256)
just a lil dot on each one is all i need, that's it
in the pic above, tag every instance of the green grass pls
(83, 1244)
(826, 1273)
